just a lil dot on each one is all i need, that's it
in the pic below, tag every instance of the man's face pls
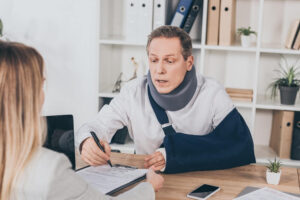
(166, 63)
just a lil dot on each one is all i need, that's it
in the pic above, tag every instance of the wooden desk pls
(231, 181)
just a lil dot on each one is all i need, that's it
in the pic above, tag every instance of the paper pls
(106, 179)
(267, 194)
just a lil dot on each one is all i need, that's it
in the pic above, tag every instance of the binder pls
(281, 135)
(145, 16)
(296, 42)
(295, 150)
(196, 8)
(181, 13)
(213, 21)
(227, 22)
(131, 16)
(159, 13)
(292, 33)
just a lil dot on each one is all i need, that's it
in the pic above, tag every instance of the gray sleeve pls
(222, 106)
(66, 184)
(110, 118)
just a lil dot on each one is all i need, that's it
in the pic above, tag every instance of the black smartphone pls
(203, 192)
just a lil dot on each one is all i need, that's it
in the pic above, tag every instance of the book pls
(296, 45)
(241, 95)
(238, 90)
(241, 99)
(292, 33)
(213, 19)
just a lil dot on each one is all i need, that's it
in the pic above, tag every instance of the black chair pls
(60, 135)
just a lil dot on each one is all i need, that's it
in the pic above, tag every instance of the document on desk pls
(267, 194)
(109, 180)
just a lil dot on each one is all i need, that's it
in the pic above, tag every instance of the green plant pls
(288, 75)
(246, 31)
(274, 166)
(1, 28)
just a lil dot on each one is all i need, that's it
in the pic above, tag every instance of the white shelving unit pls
(233, 66)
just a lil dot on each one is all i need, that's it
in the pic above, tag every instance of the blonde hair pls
(21, 82)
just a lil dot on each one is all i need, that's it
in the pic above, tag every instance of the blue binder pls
(181, 13)
(197, 7)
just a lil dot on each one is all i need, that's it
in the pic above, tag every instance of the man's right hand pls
(92, 154)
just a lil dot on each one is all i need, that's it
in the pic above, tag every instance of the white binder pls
(145, 8)
(131, 22)
(159, 13)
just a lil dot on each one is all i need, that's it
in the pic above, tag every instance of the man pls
(182, 120)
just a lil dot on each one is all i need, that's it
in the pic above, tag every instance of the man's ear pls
(190, 62)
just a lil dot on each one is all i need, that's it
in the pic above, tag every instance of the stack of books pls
(237, 94)
(293, 40)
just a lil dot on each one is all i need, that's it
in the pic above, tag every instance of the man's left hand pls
(155, 161)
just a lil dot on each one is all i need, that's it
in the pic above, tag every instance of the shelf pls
(277, 48)
(265, 102)
(120, 41)
(264, 153)
(235, 47)
(107, 93)
(241, 104)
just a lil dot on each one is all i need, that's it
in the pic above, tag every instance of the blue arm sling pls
(228, 145)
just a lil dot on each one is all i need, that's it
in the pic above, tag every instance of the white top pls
(48, 176)
(208, 107)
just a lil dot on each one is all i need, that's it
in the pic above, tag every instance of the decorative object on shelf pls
(136, 67)
(117, 85)
(273, 172)
(245, 34)
(287, 82)
(237, 94)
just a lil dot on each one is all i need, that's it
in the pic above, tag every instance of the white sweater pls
(208, 107)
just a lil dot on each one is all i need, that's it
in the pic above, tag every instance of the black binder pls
(197, 7)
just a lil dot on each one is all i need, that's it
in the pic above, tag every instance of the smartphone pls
(203, 192)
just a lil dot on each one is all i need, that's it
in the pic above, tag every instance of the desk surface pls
(231, 181)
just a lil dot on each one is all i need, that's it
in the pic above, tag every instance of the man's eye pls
(170, 61)
(153, 61)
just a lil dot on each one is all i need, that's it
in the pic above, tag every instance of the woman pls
(27, 170)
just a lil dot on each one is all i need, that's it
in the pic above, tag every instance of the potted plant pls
(1, 28)
(245, 34)
(273, 172)
(287, 82)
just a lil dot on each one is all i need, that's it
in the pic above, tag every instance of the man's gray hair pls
(173, 32)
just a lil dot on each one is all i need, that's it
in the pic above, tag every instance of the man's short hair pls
(173, 32)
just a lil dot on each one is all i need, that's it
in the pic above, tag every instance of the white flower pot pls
(273, 178)
(246, 40)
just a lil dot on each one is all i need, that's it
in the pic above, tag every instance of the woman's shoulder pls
(39, 172)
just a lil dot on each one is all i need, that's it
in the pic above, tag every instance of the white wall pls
(65, 32)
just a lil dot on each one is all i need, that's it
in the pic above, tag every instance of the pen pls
(99, 145)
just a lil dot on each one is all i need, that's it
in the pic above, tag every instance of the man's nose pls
(160, 68)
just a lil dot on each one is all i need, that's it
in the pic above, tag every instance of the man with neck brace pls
(180, 119)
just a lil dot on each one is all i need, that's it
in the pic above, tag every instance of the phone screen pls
(203, 191)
